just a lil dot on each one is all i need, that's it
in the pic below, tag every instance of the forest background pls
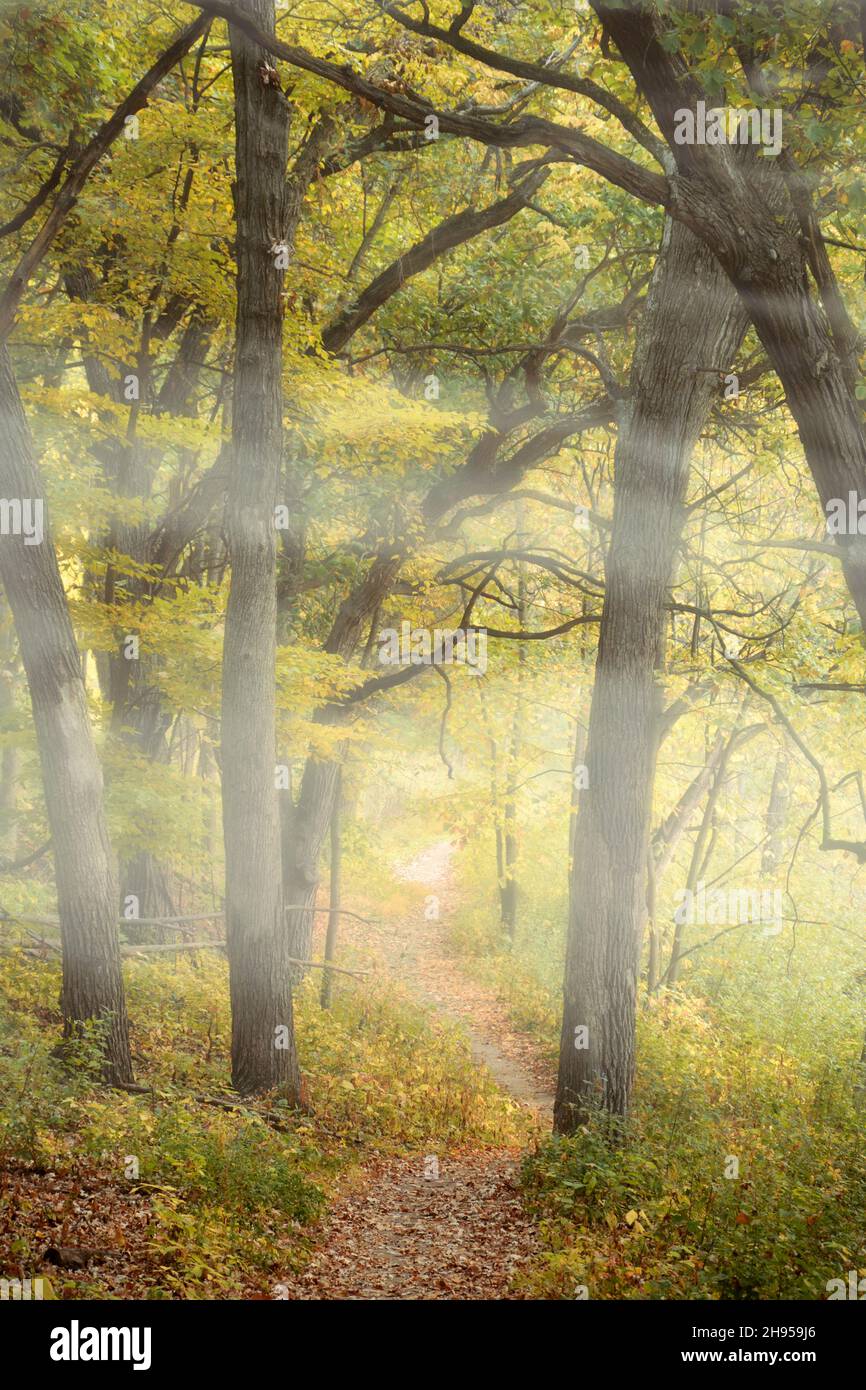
(367, 317)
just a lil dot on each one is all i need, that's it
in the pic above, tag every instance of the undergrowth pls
(741, 1172)
(230, 1193)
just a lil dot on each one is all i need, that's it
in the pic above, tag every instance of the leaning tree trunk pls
(92, 988)
(263, 1045)
(756, 217)
(692, 321)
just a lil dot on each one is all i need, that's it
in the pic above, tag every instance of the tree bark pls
(777, 814)
(700, 855)
(10, 756)
(92, 986)
(263, 1045)
(305, 824)
(334, 900)
(755, 216)
(692, 320)
(508, 886)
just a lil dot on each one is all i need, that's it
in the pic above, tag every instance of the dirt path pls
(423, 961)
(401, 1231)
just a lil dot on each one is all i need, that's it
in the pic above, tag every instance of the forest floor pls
(416, 1219)
(396, 1231)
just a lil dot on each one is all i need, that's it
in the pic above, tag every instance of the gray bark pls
(334, 899)
(777, 815)
(263, 1047)
(92, 985)
(692, 320)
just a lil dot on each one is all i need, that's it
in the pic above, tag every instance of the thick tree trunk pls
(263, 1045)
(755, 216)
(692, 321)
(578, 757)
(92, 986)
(828, 415)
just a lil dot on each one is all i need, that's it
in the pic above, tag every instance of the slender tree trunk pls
(10, 756)
(692, 321)
(141, 720)
(305, 823)
(508, 884)
(336, 888)
(777, 814)
(699, 857)
(304, 828)
(92, 988)
(670, 832)
(263, 1045)
(662, 849)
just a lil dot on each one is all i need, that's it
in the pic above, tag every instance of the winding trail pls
(397, 1231)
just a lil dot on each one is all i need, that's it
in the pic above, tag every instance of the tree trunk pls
(691, 321)
(92, 988)
(777, 814)
(304, 828)
(508, 883)
(755, 215)
(578, 756)
(336, 888)
(305, 824)
(263, 1045)
(140, 720)
(10, 756)
(700, 855)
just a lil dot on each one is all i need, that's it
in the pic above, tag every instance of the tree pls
(263, 1043)
(691, 319)
(92, 990)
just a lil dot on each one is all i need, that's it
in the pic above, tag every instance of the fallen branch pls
(342, 911)
(177, 921)
(40, 941)
(14, 866)
(130, 950)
